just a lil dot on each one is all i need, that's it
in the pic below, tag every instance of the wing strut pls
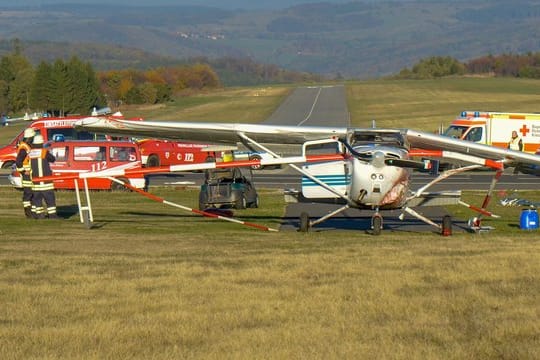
(303, 172)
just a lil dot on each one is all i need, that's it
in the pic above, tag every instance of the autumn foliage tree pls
(156, 85)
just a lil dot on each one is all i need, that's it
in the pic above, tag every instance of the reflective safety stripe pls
(514, 144)
(41, 186)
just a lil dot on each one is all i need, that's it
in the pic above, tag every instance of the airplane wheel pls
(304, 222)
(446, 225)
(376, 224)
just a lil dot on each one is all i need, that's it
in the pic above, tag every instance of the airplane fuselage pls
(363, 179)
(377, 185)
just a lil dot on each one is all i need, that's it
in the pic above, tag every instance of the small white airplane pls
(372, 170)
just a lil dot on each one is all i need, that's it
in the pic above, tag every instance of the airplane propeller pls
(379, 158)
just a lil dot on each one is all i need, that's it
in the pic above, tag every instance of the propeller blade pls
(405, 163)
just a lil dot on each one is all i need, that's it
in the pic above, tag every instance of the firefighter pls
(22, 163)
(40, 159)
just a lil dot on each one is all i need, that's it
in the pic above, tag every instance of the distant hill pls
(357, 39)
(228, 4)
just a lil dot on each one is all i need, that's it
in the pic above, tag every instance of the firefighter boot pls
(28, 212)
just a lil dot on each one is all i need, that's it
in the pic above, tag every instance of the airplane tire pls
(304, 222)
(376, 224)
(446, 228)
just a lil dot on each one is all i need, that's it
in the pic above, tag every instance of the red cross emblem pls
(524, 130)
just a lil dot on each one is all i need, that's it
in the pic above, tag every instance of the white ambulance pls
(495, 128)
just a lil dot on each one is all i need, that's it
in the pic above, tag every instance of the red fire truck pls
(153, 152)
(77, 157)
(165, 153)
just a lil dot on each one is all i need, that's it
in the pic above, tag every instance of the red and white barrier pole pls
(199, 212)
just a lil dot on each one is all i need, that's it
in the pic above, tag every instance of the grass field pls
(150, 281)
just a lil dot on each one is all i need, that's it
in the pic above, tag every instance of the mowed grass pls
(150, 281)
(238, 105)
(426, 104)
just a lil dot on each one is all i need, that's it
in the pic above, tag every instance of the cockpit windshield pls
(366, 137)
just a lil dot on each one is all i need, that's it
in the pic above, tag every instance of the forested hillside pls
(357, 39)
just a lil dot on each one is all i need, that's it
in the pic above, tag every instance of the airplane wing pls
(429, 141)
(218, 133)
(231, 133)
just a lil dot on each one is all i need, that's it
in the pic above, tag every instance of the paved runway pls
(313, 106)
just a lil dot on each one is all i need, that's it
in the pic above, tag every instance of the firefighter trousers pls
(38, 198)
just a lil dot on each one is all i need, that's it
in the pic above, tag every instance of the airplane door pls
(332, 173)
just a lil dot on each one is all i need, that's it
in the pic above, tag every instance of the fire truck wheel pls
(153, 161)
(258, 158)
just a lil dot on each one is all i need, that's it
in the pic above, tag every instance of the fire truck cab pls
(74, 157)
(49, 128)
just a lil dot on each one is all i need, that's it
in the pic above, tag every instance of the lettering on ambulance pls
(535, 131)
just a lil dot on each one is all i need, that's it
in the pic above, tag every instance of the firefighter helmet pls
(29, 132)
(38, 139)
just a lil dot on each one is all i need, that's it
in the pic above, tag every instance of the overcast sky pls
(226, 4)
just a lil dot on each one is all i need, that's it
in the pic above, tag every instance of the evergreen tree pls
(16, 73)
(40, 94)
(59, 87)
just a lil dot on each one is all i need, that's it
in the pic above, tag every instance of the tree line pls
(73, 87)
(512, 65)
